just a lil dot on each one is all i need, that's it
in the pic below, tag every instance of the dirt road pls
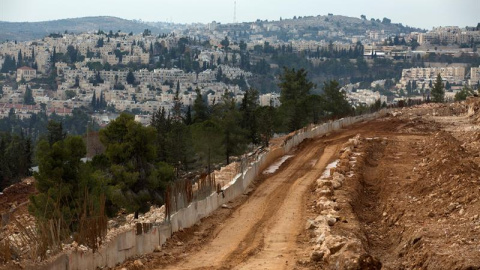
(262, 232)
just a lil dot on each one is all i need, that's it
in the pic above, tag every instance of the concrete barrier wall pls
(128, 244)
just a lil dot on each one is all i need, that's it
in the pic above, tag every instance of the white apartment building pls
(272, 99)
(474, 76)
(449, 35)
(454, 75)
(365, 97)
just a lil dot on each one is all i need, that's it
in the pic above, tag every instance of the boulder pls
(317, 256)
(310, 225)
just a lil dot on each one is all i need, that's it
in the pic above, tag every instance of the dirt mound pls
(418, 203)
(16, 194)
(17, 223)
(447, 191)
(409, 199)
(473, 111)
(338, 241)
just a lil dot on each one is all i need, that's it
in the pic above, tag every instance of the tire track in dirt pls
(266, 226)
(280, 233)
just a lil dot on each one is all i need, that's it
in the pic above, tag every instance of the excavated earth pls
(400, 192)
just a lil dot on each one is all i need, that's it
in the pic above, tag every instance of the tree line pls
(19, 138)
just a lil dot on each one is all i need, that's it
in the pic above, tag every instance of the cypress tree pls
(200, 108)
(188, 116)
(28, 97)
(94, 101)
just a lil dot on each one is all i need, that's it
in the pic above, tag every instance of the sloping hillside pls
(23, 31)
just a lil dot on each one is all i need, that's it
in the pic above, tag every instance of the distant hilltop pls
(23, 31)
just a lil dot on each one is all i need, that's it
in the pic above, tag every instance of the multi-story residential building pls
(454, 74)
(61, 67)
(270, 99)
(110, 58)
(449, 35)
(474, 76)
(26, 73)
(365, 97)
(234, 72)
(42, 58)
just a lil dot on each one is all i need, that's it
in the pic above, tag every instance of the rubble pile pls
(431, 109)
(124, 223)
(225, 174)
(333, 249)
(473, 111)
(456, 177)
(18, 226)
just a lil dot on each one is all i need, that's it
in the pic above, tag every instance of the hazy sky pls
(418, 13)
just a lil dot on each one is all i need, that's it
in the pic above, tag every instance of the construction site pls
(397, 189)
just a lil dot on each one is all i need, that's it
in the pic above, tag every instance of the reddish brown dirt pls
(416, 202)
(16, 194)
(419, 204)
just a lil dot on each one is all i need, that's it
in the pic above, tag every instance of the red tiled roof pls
(26, 68)
(19, 106)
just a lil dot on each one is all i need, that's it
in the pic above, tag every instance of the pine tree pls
(61, 184)
(101, 102)
(265, 118)
(248, 110)
(162, 124)
(130, 149)
(409, 88)
(177, 106)
(229, 118)
(335, 100)
(9, 64)
(55, 132)
(4, 168)
(130, 77)
(295, 88)
(219, 75)
(438, 90)
(54, 57)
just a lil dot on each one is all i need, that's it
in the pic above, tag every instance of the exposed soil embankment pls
(412, 203)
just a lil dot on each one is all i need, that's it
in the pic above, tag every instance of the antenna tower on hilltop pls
(234, 11)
